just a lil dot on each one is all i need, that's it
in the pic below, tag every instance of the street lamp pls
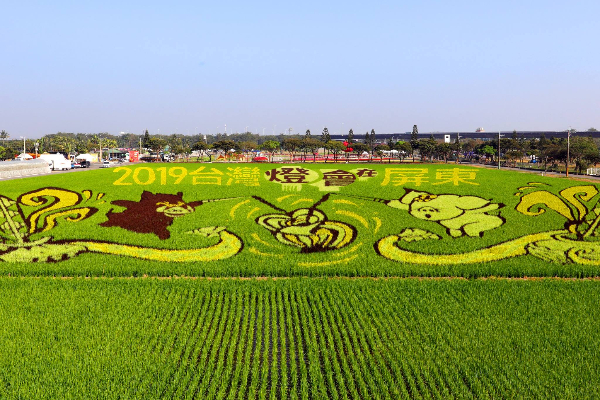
(499, 136)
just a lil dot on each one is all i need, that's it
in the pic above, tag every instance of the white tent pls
(85, 157)
(23, 156)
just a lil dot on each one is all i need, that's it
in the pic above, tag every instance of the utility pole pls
(499, 136)
(568, 149)
(457, 147)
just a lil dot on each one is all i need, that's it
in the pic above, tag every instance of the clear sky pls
(194, 66)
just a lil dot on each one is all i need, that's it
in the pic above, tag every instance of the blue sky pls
(194, 66)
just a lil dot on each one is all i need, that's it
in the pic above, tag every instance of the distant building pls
(484, 136)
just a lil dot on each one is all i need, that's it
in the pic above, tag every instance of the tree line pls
(549, 152)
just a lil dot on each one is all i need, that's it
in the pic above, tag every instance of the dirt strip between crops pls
(333, 278)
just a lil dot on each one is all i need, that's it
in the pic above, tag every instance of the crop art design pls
(42, 210)
(303, 229)
(152, 214)
(578, 242)
(309, 229)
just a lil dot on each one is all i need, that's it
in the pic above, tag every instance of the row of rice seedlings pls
(184, 370)
(284, 349)
(247, 351)
(363, 338)
(275, 359)
(339, 353)
(486, 382)
(305, 339)
(178, 352)
(379, 334)
(371, 383)
(296, 356)
(214, 312)
(410, 315)
(263, 364)
(502, 379)
(234, 351)
(207, 359)
(160, 323)
(225, 349)
(450, 362)
(424, 322)
(313, 376)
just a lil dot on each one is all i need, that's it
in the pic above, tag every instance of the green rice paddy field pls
(311, 281)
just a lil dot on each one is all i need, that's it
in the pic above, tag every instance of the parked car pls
(85, 164)
(75, 165)
(105, 164)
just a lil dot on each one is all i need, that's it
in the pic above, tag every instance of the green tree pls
(325, 136)
(157, 144)
(488, 151)
(202, 148)
(359, 148)
(224, 146)
(305, 143)
(583, 152)
(414, 141)
(403, 148)
(372, 140)
(380, 151)
(513, 155)
(81, 146)
(246, 147)
(128, 140)
(146, 140)
(336, 148)
(427, 148)
(325, 139)
(444, 150)
(291, 145)
(311, 146)
(271, 147)
(369, 145)
(350, 138)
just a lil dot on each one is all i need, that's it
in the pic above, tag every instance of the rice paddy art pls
(322, 219)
